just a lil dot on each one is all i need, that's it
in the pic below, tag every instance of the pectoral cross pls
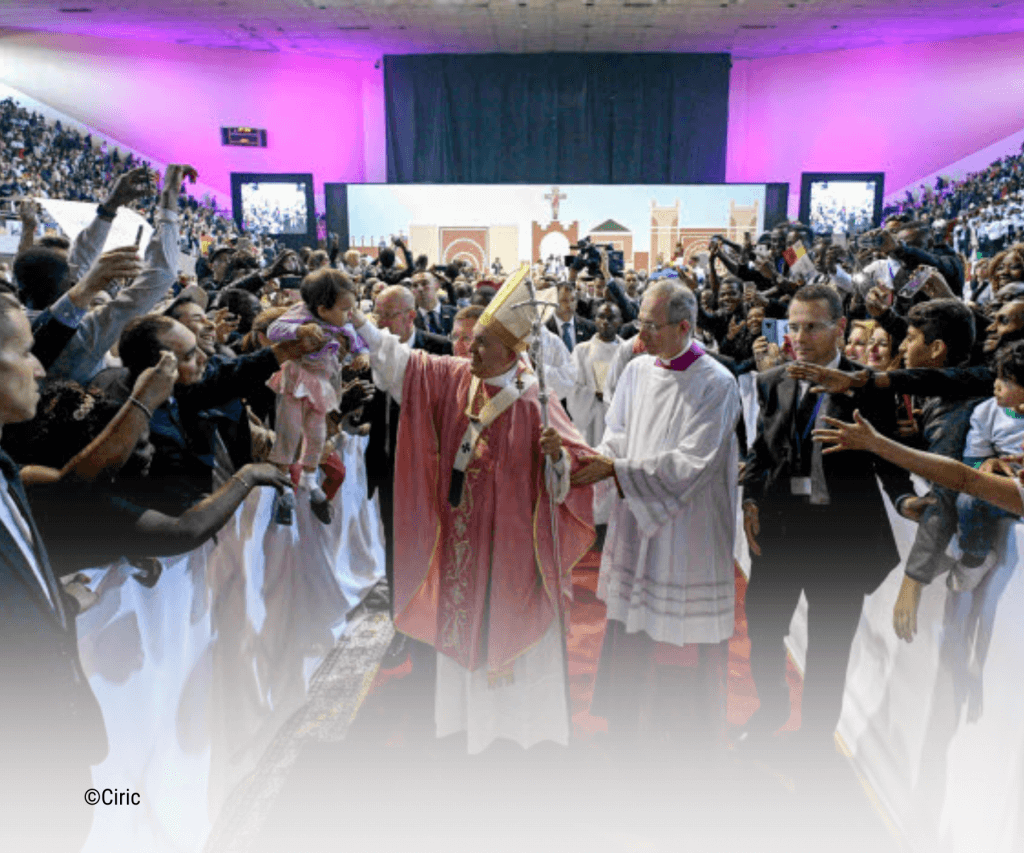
(555, 198)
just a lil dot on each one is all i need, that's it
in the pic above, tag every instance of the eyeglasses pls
(810, 328)
(647, 325)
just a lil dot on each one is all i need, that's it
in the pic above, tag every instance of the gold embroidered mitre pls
(511, 325)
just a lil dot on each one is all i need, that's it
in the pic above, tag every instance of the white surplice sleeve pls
(389, 358)
(658, 487)
(622, 358)
(614, 441)
(579, 400)
(559, 369)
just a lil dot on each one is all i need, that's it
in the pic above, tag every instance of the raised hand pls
(766, 354)
(28, 212)
(129, 187)
(115, 265)
(156, 384)
(224, 323)
(878, 301)
(859, 435)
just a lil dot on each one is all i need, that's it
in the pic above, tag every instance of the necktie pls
(804, 413)
(435, 324)
(567, 334)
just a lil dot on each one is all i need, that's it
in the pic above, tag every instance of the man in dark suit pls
(396, 312)
(52, 728)
(566, 323)
(432, 315)
(815, 523)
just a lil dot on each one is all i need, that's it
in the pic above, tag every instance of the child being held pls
(993, 445)
(308, 388)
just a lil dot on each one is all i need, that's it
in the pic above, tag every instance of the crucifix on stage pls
(555, 198)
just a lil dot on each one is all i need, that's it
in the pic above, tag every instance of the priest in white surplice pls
(667, 568)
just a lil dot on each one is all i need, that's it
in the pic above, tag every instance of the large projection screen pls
(526, 222)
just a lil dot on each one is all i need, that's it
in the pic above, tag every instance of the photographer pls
(604, 263)
(240, 269)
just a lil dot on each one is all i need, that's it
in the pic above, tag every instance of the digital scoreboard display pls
(247, 137)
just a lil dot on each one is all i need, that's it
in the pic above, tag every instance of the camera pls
(589, 256)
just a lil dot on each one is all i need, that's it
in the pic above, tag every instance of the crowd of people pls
(153, 404)
(40, 159)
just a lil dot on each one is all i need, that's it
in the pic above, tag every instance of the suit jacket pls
(853, 533)
(448, 313)
(46, 702)
(182, 429)
(585, 329)
(383, 418)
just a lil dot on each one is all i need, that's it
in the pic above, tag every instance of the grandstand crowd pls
(155, 420)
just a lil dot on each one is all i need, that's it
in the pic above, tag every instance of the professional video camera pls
(589, 257)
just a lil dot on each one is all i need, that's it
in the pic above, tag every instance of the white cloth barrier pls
(936, 726)
(196, 675)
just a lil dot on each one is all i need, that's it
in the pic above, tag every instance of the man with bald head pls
(667, 569)
(396, 311)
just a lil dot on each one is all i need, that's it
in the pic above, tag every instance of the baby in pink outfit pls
(307, 388)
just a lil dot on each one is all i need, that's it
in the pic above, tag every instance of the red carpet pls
(586, 635)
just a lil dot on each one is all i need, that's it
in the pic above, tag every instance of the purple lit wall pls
(905, 110)
(322, 115)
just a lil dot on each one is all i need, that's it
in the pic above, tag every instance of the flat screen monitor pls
(841, 202)
(277, 204)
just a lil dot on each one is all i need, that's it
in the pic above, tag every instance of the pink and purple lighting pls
(907, 111)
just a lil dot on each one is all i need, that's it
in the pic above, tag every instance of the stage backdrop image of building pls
(571, 118)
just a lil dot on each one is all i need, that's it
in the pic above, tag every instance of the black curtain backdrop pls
(590, 118)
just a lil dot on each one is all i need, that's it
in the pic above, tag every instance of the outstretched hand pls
(592, 470)
(860, 435)
(825, 380)
(265, 474)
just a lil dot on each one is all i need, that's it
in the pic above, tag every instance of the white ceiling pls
(745, 28)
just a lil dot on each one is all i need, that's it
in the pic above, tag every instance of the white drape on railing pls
(196, 675)
(936, 726)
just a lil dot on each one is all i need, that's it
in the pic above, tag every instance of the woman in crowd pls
(858, 340)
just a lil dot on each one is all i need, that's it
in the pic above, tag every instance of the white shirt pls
(17, 525)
